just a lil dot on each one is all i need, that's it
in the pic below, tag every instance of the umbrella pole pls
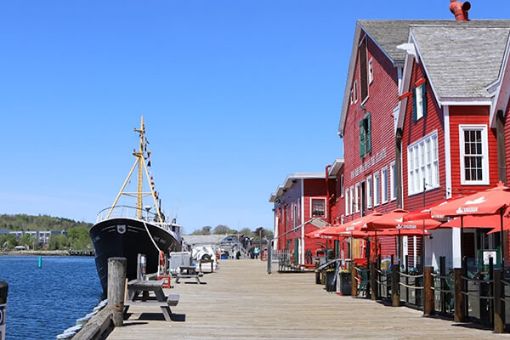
(502, 239)
(462, 262)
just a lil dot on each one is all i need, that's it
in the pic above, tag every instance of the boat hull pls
(126, 237)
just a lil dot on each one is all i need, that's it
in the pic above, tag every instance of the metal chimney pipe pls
(460, 10)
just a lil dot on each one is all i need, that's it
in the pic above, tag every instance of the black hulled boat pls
(126, 231)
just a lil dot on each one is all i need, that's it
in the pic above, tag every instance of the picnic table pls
(188, 272)
(146, 287)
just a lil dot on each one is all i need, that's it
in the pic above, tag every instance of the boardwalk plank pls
(241, 301)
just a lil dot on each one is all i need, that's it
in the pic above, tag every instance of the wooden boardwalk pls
(241, 301)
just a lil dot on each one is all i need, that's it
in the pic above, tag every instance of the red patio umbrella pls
(358, 224)
(424, 213)
(482, 222)
(488, 202)
(320, 233)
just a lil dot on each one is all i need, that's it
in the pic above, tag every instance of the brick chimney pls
(460, 10)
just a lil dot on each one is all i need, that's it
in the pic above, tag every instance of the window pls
(423, 164)
(341, 185)
(357, 195)
(318, 207)
(384, 185)
(354, 92)
(295, 214)
(365, 135)
(393, 181)
(363, 70)
(347, 211)
(474, 154)
(369, 191)
(377, 188)
(370, 72)
(351, 200)
(419, 102)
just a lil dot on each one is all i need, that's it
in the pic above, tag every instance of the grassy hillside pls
(40, 222)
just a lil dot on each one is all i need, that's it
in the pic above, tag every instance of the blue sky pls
(236, 95)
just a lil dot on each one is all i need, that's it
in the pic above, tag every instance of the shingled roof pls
(461, 62)
(388, 34)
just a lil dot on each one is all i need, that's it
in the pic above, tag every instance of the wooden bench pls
(172, 300)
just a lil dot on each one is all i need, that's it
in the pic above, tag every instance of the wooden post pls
(428, 292)
(373, 281)
(379, 277)
(354, 282)
(499, 305)
(459, 315)
(116, 288)
(489, 291)
(4, 287)
(269, 258)
(442, 283)
(395, 285)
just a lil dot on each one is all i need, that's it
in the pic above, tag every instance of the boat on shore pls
(126, 231)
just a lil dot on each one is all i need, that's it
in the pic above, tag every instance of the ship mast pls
(140, 159)
(141, 155)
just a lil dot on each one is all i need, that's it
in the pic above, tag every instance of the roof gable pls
(461, 62)
(388, 35)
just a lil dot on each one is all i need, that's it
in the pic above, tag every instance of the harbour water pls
(44, 302)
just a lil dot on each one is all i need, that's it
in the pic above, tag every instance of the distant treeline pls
(76, 236)
(38, 223)
(222, 229)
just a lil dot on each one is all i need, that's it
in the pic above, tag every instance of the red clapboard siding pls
(507, 144)
(387, 246)
(383, 98)
(413, 131)
(471, 115)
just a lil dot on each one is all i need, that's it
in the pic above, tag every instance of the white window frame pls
(357, 194)
(384, 185)
(347, 213)
(376, 186)
(355, 90)
(368, 191)
(393, 177)
(341, 185)
(419, 102)
(485, 154)
(351, 199)
(325, 207)
(420, 165)
(370, 71)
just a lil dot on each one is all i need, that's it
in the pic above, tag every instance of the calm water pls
(44, 302)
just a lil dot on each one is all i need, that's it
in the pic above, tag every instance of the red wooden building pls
(303, 203)
(448, 132)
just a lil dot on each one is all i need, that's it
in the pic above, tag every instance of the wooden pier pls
(241, 301)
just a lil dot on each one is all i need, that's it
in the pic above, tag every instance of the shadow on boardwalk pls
(241, 301)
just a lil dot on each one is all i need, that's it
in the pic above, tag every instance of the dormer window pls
(370, 72)
(419, 102)
(365, 135)
(354, 92)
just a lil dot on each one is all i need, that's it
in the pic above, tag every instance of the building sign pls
(370, 162)
(487, 255)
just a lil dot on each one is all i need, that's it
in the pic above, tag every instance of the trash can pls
(345, 283)
(317, 277)
(330, 280)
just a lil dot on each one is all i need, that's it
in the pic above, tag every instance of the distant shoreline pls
(45, 253)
